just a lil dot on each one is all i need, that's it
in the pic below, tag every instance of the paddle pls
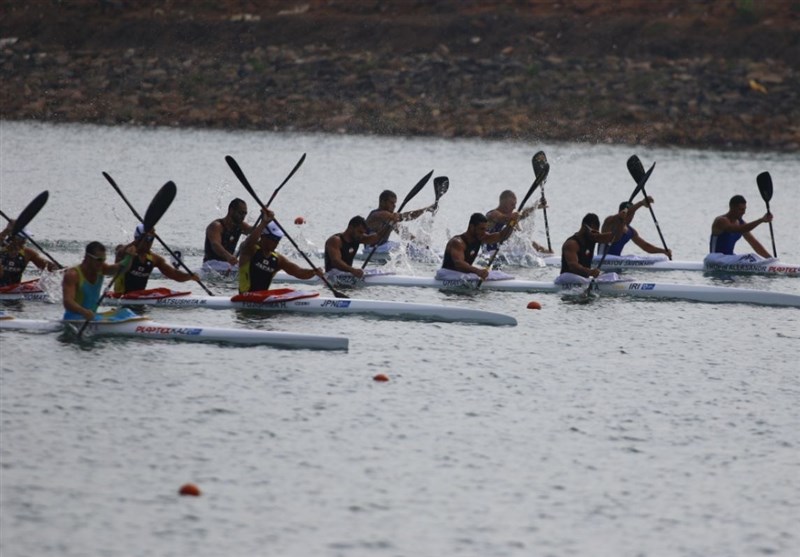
(546, 224)
(251, 191)
(160, 241)
(764, 181)
(387, 225)
(636, 169)
(25, 217)
(440, 186)
(639, 187)
(541, 168)
(158, 206)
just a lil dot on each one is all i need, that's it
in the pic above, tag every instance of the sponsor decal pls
(774, 269)
(179, 302)
(642, 286)
(630, 263)
(262, 305)
(336, 304)
(155, 329)
(302, 304)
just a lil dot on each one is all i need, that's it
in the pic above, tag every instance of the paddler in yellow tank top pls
(258, 260)
(83, 284)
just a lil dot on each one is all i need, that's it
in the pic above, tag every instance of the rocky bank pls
(707, 74)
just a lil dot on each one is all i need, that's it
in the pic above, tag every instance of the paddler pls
(341, 248)
(461, 251)
(15, 256)
(578, 250)
(143, 263)
(222, 235)
(258, 260)
(383, 220)
(82, 285)
(727, 229)
(620, 225)
(505, 213)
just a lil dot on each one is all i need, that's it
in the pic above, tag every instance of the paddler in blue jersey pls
(258, 260)
(83, 284)
(461, 251)
(727, 229)
(383, 220)
(144, 261)
(620, 225)
(222, 236)
(341, 248)
(15, 256)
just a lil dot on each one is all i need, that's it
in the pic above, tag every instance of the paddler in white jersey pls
(258, 260)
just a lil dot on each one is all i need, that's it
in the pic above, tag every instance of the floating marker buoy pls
(299, 220)
(380, 377)
(189, 489)
(534, 305)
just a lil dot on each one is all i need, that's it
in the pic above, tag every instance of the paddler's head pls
(95, 256)
(237, 210)
(143, 241)
(270, 237)
(356, 228)
(590, 225)
(478, 224)
(387, 201)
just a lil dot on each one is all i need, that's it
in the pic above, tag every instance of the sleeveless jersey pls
(258, 272)
(496, 227)
(14, 264)
(469, 256)
(87, 294)
(388, 233)
(137, 276)
(585, 253)
(724, 243)
(348, 253)
(230, 237)
(616, 247)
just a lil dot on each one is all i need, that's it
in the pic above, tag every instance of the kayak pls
(661, 263)
(123, 322)
(287, 300)
(28, 290)
(670, 291)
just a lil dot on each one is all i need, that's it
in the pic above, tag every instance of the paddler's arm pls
(69, 288)
(570, 254)
(214, 235)
(249, 245)
(756, 245)
(125, 260)
(171, 272)
(416, 213)
(40, 262)
(648, 247)
(297, 271)
(333, 248)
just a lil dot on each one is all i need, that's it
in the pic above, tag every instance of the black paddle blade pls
(636, 168)
(159, 205)
(27, 214)
(242, 178)
(416, 189)
(440, 186)
(640, 184)
(764, 181)
(540, 164)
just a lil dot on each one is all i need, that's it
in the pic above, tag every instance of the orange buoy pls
(299, 220)
(189, 489)
(534, 305)
(380, 377)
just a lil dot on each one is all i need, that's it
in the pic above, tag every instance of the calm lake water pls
(617, 428)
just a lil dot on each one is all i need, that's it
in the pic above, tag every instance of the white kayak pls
(123, 322)
(28, 290)
(691, 292)
(286, 300)
(661, 263)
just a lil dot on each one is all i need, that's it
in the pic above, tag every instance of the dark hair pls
(477, 218)
(591, 220)
(358, 220)
(386, 195)
(233, 204)
(625, 205)
(93, 248)
(737, 200)
(506, 194)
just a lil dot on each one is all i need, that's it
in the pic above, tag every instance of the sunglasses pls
(97, 257)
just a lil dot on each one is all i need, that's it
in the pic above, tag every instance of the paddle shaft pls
(160, 241)
(655, 220)
(771, 233)
(387, 225)
(546, 224)
(40, 248)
